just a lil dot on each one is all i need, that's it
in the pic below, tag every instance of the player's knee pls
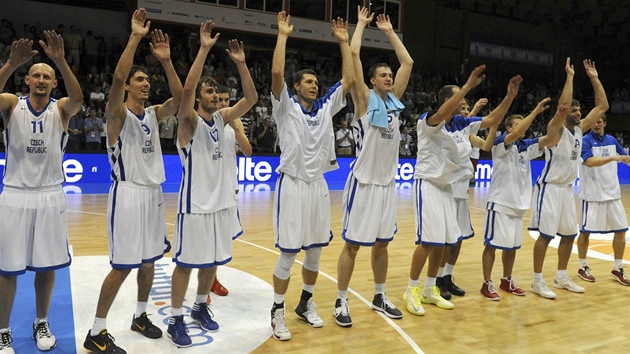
(283, 267)
(311, 259)
(351, 249)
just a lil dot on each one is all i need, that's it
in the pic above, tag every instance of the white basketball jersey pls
(377, 150)
(230, 154)
(34, 144)
(601, 183)
(460, 129)
(137, 156)
(511, 184)
(307, 139)
(562, 160)
(206, 184)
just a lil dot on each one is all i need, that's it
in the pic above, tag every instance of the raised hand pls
(138, 25)
(542, 106)
(589, 66)
(53, 47)
(476, 77)
(480, 103)
(284, 27)
(340, 29)
(383, 23)
(569, 68)
(513, 85)
(364, 16)
(563, 110)
(236, 51)
(205, 35)
(22, 51)
(160, 47)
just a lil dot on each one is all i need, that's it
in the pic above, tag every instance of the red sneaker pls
(509, 285)
(487, 290)
(585, 274)
(619, 276)
(219, 289)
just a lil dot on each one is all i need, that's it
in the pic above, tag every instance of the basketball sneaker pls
(567, 283)
(280, 330)
(443, 290)
(431, 295)
(342, 313)
(382, 304)
(488, 291)
(306, 311)
(451, 287)
(144, 326)
(102, 343)
(202, 315)
(620, 276)
(541, 288)
(508, 284)
(43, 336)
(6, 341)
(585, 274)
(412, 298)
(178, 332)
(218, 288)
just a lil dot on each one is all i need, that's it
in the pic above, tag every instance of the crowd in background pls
(92, 58)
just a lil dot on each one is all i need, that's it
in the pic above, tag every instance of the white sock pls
(278, 298)
(430, 282)
(413, 283)
(99, 325)
(309, 288)
(618, 264)
(379, 288)
(561, 274)
(141, 307)
(342, 294)
(201, 298)
(176, 311)
(538, 277)
(448, 269)
(40, 320)
(5, 330)
(440, 272)
(583, 262)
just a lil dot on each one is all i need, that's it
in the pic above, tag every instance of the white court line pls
(400, 331)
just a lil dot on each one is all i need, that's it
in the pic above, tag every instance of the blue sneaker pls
(203, 317)
(178, 332)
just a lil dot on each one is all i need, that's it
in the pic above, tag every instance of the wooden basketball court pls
(596, 321)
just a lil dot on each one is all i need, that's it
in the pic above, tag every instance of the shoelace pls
(512, 286)
(5, 340)
(180, 328)
(587, 270)
(310, 308)
(43, 330)
(387, 303)
(492, 289)
(278, 315)
(415, 297)
(345, 307)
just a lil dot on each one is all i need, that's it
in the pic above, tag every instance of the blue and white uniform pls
(602, 210)
(32, 201)
(301, 217)
(135, 209)
(230, 155)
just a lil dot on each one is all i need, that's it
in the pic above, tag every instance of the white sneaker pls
(567, 283)
(412, 298)
(431, 295)
(280, 330)
(6, 346)
(43, 336)
(307, 311)
(540, 288)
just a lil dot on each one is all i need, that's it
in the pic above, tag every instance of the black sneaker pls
(451, 287)
(307, 311)
(342, 313)
(439, 281)
(144, 326)
(6, 341)
(382, 304)
(102, 343)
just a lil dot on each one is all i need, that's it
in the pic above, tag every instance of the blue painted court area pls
(61, 317)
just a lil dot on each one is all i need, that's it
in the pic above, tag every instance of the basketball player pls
(234, 134)
(602, 211)
(301, 217)
(553, 204)
(204, 227)
(135, 212)
(440, 163)
(34, 232)
(509, 196)
(369, 198)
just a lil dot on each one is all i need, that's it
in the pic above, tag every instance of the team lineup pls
(208, 220)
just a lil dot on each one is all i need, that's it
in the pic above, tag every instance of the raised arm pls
(446, 110)
(555, 127)
(496, 116)
(360, 91)
(340, 31)
(567, 91)
(236, 52)
(68, 106)
(241, 138)
(115, 109)
(406, 63)
(21, 52)
(279, 54)
(161, 50)
(521, 128)
(187, 117)
(482, 102)
(601, 102)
